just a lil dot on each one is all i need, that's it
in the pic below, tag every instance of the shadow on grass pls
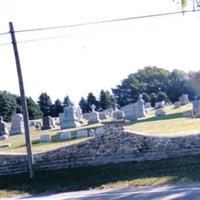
(179, 169)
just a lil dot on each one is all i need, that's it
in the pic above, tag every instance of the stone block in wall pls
(99, 131)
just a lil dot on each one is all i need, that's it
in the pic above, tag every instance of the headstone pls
(93, 117)
(65, 136)
(140, 109)
(61, 116)
(45, 138)
(86, 116)
(47, 123)
(160, 112)
(17, 124)
(3, 127)
(147, 105)
(196, 108)
(160, 104)
(177, 104)
(118, 115)
(79, 114)
(70, 119)
(81, 133)
(102, 116)
(184, 99)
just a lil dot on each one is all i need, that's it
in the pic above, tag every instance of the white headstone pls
(184, 99)
(65, 136)
(196, 108)
(3, 127)
(160, 104)
(61, 116)
(45, 138)
(177, 104)
(118, 115)
(17, 124)
(70, 120)
(81, 133)
(93, 117)
(160, 112)
(147, 105)
(79, 114)
(102, 116)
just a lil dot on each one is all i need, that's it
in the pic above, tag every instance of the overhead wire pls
(105, 21)
(87, 24)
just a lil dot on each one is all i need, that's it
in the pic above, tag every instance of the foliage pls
(91, 100)
(155, 83)
(8, 104)
(84, 105)
(67, 101)
(106, 100)
(33, 109)
(56, 108)
(194, 81)
(45, 104)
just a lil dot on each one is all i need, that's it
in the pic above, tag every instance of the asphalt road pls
(166, 192)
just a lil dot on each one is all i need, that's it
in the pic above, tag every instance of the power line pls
(105, 21)
(86, 24)
(5, 33)
(5, 44)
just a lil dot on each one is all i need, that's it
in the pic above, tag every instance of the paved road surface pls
(166, 192)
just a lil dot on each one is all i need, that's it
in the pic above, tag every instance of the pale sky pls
(90, 58)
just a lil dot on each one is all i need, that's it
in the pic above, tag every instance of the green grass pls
(18, 141)
(171, 124)
(179, 170)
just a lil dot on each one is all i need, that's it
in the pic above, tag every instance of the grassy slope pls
(18, 141)
(171, 124)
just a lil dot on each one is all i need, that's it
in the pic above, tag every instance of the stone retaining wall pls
(115, 145)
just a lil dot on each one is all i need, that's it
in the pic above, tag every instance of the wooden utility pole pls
(23, 101)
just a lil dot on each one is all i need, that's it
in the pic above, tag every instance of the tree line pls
(155, 84)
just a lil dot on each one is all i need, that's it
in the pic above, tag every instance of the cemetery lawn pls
(177, 170)
(170, 125)
(18, 141)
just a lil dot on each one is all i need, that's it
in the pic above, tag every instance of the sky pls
(77, 60)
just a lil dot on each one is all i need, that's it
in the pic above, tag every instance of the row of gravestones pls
(68, 135)
(73, 117)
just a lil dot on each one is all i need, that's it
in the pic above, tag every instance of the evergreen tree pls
(56, 108)
(67, 101)
(33, 109)
(161, 96)
(91, 100)
(106, 100)
(84, 105)
(8, 105)
(145, 97)
(153, 98)
(45, 104)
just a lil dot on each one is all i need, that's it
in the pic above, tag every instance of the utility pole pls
(23, 101)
